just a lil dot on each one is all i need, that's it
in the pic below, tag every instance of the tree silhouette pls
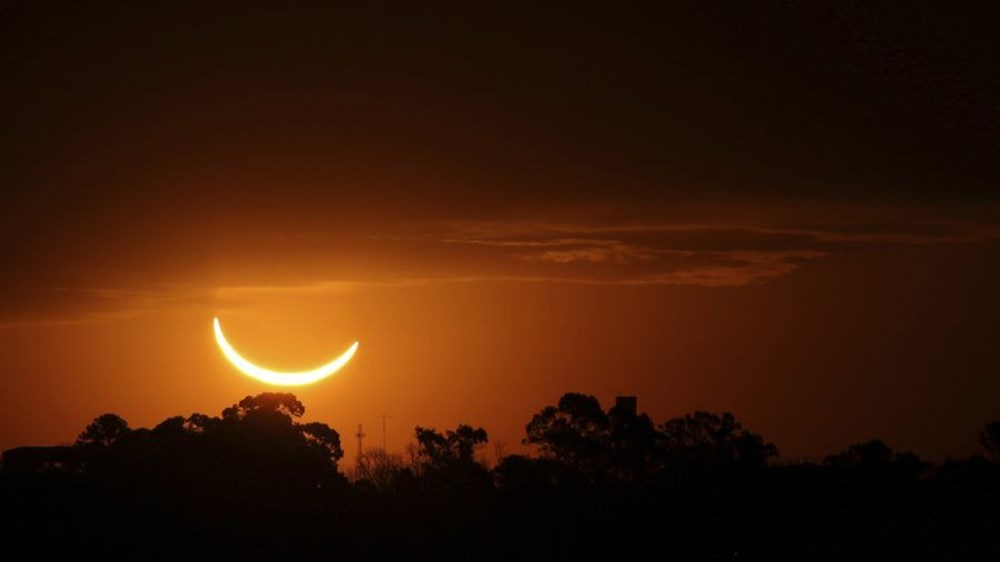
(322, 439)
(105, 431)
(522, 474)
(704, 438)
(282, 403)
(875, 458)
(456, 446)
(198, 423)
(446, 462)
(260, 433)
(431, 445)
(574, 432)
(867, 454)
(172, 427)
(380, 470)
(464, 441)
(255, 443)
(989, 438)
(631, 442)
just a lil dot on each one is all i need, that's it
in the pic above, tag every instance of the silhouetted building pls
(36, 459)
(627, 405)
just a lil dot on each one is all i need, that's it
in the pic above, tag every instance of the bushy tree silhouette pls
(450, 457)
(526, 475)
(456, 446)
(867, 454)
(874, 458)
(704, 438)
(574, 432)
(105, 431)
(624, 445)
(256, 443)
(323, 439)
(989, 438)
(279, 403)
(171, 428)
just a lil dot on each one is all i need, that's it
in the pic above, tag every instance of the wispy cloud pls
(694, 253)
(722, 254)
(920, 231)
(734, 268)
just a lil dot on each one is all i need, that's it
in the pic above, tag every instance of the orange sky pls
(817, 337)
(786, 212)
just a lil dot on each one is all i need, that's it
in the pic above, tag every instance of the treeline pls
(258, 438)
(577, 441)
(256, 482)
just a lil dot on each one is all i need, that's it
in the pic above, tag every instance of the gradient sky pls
(786, 210)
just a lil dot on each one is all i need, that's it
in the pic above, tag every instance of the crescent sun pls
(293, 378)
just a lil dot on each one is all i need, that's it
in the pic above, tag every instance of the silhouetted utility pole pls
(360, 435)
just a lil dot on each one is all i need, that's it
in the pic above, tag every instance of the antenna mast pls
(360, 435)
(384, 417)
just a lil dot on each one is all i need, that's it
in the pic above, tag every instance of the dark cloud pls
(461, 107)
(150, 148)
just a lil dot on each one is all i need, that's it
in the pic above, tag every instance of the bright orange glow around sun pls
(294, 378)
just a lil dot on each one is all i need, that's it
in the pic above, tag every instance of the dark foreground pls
(778, 514)
(256, 485)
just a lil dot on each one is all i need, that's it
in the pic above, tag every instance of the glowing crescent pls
(295, 378)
